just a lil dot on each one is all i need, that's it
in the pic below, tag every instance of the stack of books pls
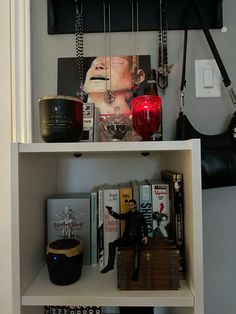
(160, 200)
(84, 215)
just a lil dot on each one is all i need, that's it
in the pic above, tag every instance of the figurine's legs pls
(137, 249)
(112, 254)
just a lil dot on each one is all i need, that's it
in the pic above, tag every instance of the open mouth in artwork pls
(100, 78)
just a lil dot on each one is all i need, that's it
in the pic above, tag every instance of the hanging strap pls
(183, 76)
(225, 77)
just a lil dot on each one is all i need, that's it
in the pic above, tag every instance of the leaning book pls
(100, 230)
(175, 181)
(68, 215)
(94, 224)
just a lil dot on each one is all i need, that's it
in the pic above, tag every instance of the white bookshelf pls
(40, 169)
(94, 288)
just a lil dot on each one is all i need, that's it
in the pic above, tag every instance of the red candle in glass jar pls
(146, 111)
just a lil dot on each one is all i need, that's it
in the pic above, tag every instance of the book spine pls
(53, 309)
(96, 133)
(177, 210)
(111, 225)
(100, 234)
(145, 206)
(179, 218)
(63, 310)
(47, 310)
(72, 309)
(135, 190)
(94, 226)
(160, 202)
(88, 122)
(169, 178)
(125, 196)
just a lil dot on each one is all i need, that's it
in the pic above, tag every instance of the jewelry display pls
(116, 126)
(109, 94)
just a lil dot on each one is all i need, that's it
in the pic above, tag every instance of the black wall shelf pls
(61, 15)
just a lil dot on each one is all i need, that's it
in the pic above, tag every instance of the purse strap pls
(183, 76)
(226, 80)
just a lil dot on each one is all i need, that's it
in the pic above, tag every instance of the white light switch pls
(207, 78)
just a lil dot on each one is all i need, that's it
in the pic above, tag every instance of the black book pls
(175, 181)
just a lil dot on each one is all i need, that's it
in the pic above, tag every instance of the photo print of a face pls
(122, 75)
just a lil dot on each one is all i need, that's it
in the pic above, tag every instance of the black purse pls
(218, 152)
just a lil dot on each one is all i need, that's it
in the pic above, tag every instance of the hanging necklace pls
(163, 68)
(79, 36)
(109, 95)
(135, 12)
(116, 127)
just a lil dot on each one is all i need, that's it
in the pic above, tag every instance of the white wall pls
(219, 211)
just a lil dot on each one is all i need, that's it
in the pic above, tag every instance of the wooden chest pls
(159, 267)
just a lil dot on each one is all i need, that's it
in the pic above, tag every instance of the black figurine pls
(134, 235)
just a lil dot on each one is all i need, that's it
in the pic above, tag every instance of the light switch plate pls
(207, 78)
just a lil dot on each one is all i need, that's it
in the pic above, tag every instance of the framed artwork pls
(123, 76)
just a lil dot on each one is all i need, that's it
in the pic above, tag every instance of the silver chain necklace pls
(79, 37)
(109, 95)
(163, 68)
(135, 11)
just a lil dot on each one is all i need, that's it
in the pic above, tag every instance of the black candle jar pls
(61, 118)
(64, 261)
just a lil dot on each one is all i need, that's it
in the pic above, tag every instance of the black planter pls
(61, 118)
(64, 261)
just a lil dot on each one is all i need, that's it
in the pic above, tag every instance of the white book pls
(111, 225)
(160, 203)
(68, 215)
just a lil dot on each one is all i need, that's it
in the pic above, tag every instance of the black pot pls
(64, 261)
(61, 118)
